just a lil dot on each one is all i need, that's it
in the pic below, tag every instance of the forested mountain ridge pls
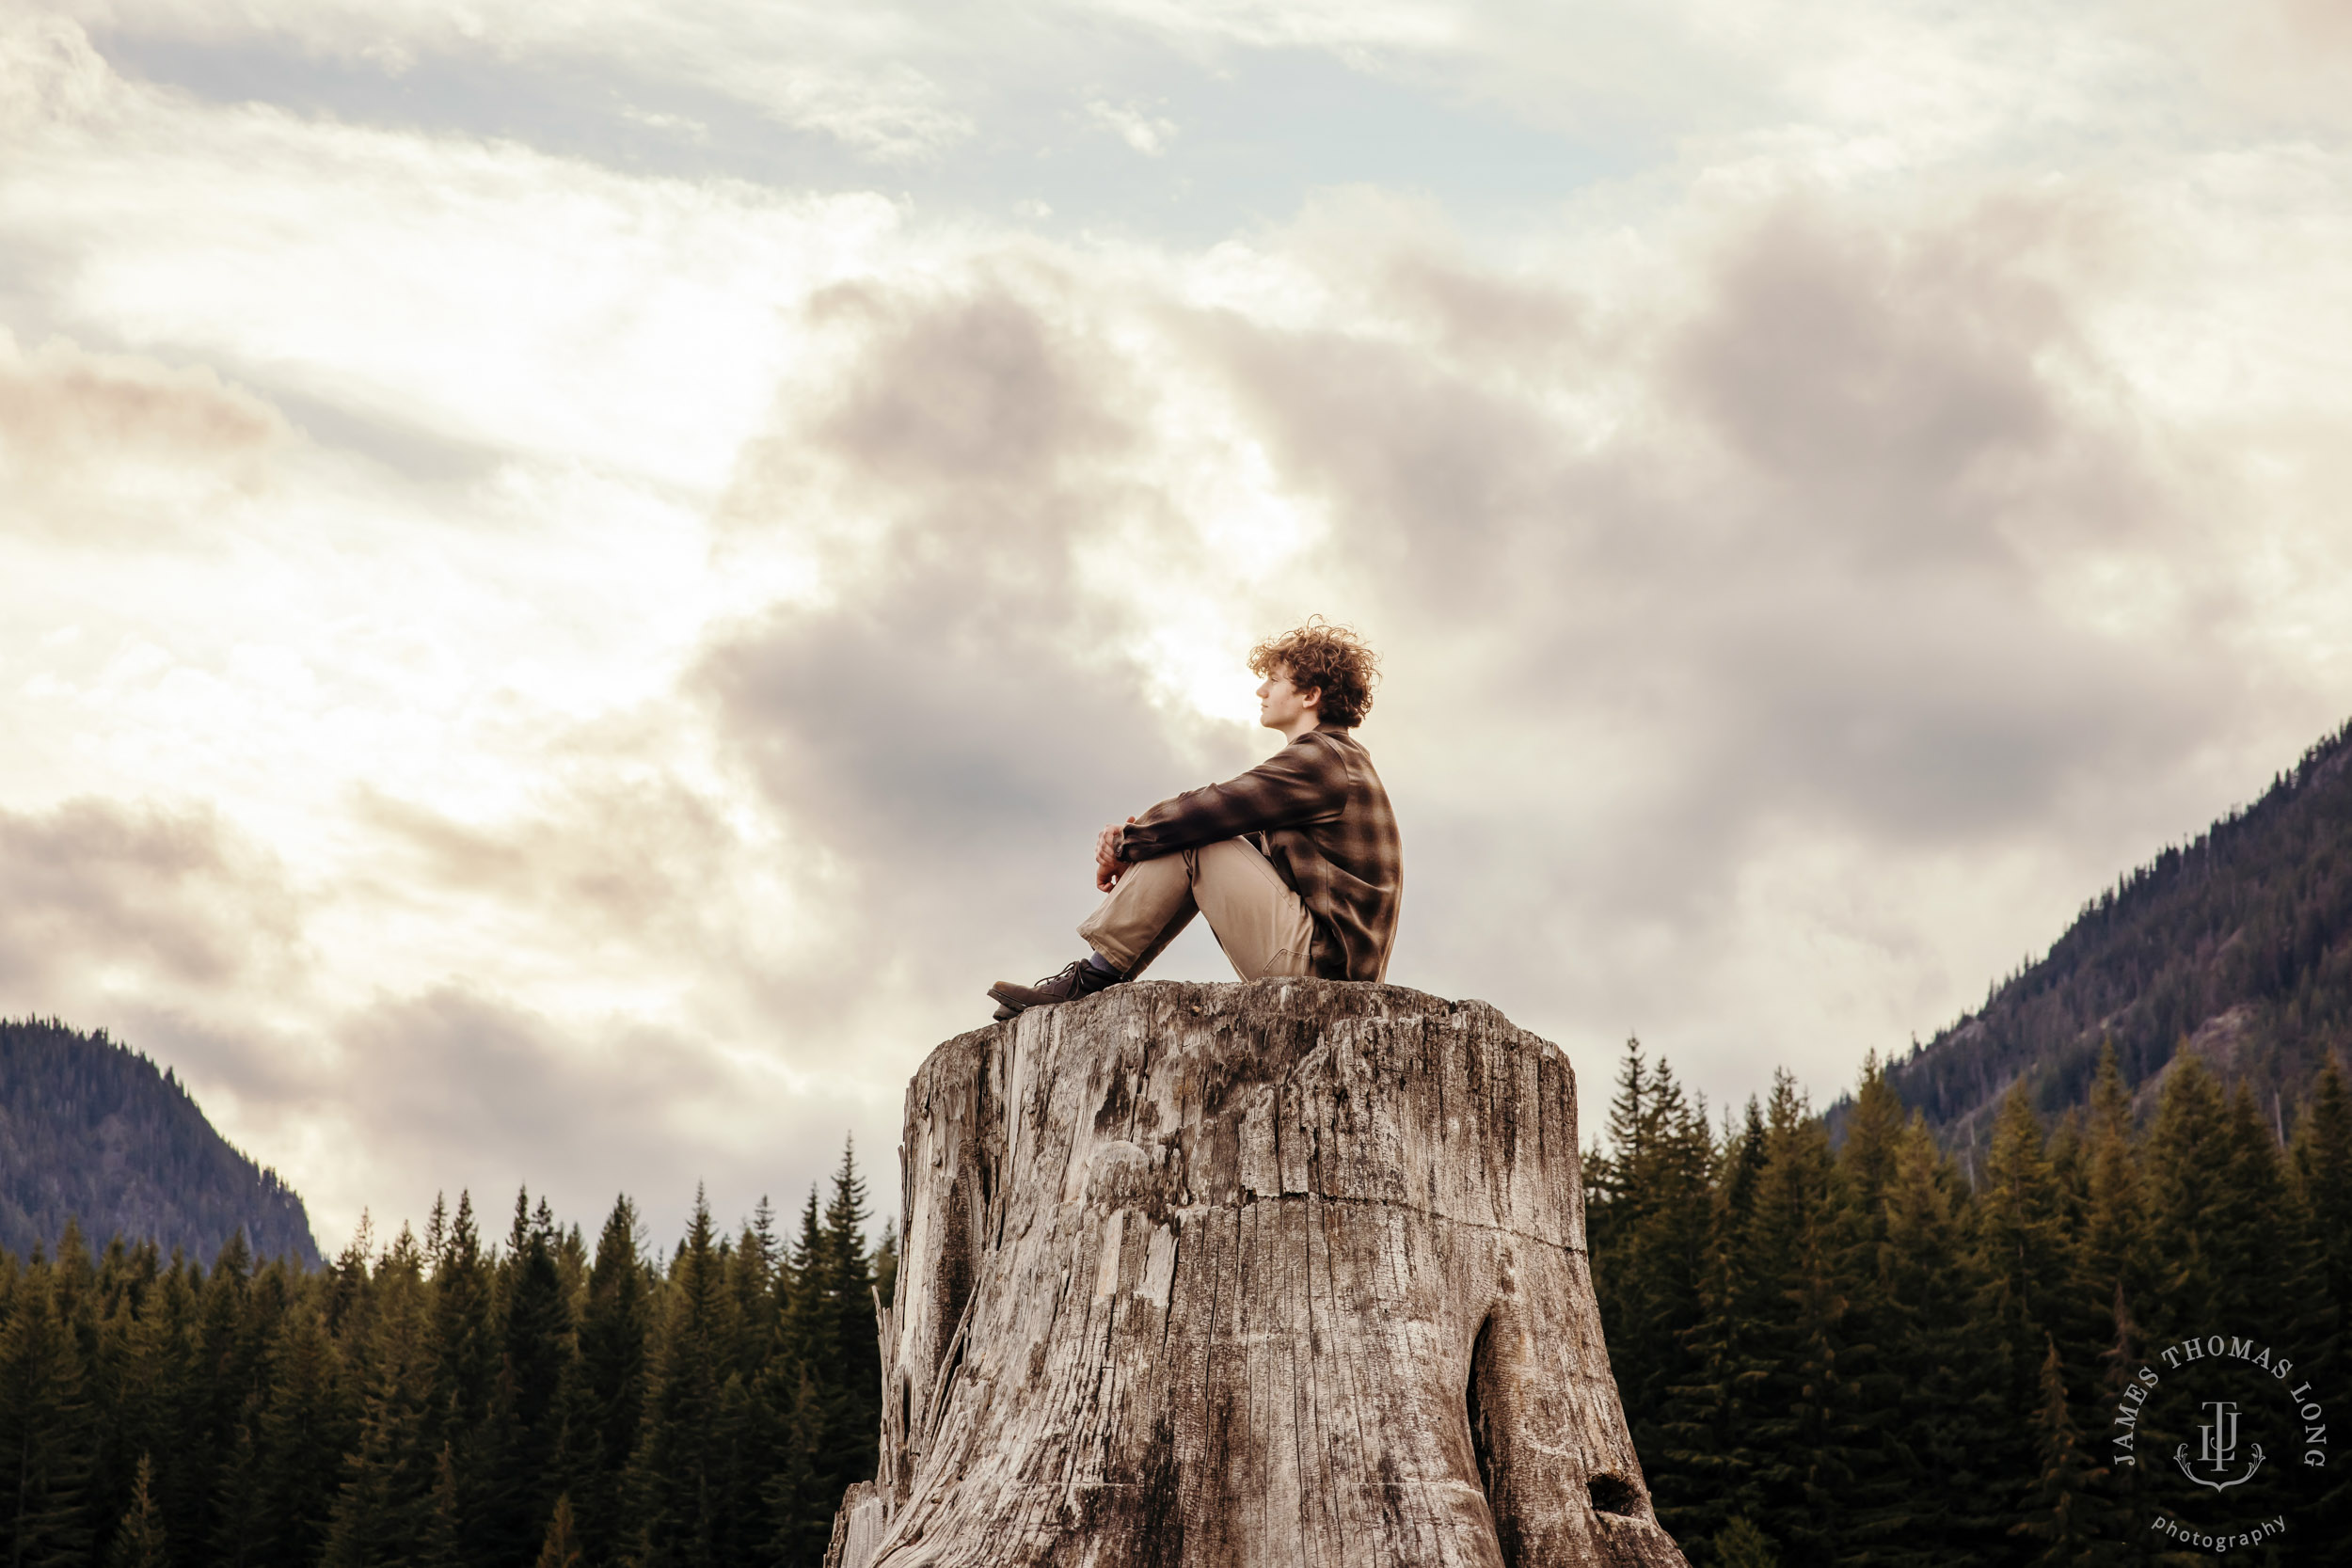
(91, 1131)
(2239, 942)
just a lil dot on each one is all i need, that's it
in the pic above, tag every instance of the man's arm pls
(1304, 782)
(1107, 865)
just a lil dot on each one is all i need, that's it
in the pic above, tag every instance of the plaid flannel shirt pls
(1315, 809)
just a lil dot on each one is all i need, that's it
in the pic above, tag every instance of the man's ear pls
(1311, 697)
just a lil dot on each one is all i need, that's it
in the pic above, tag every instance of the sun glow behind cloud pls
(520, 665)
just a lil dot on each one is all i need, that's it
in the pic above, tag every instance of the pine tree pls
(1802, 1433)
(236, 1509)
(303, 1430)
(2116, 1250)
(854, 1359)
(753, 1276)
(2188, 1156)
(797, 1499)
(1649, 1210)
(604, 1396)
(2065, 1513)
(139, 1537)
(350, 1289)
(1873, 1147)
(2322, 1161)
(2115, 1273)
(1850, 1265)
(1939, 1446)
(803, 1316)
(236, 1311)
(561, 1548)
(2265, 1281)
(108, 1374)
(2131, 1453)
(384, 1513)
(1740, 1545)
(686, 1483)
(2323, 1172)
(2254, 1235)
(464, 1343)
(1607, 1180)
(47, 1442)
(760, 1282)
(2022, 1245)
(515, 1452)
(160, 1397)
(1710, 1421)
(2022, 1238)
(827, 1327)
(446, 1544)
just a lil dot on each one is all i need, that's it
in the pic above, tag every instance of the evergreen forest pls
(1832, 1349)
(1850, 1352)
(442, 1401)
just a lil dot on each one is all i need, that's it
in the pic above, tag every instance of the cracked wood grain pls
(1222, 1275)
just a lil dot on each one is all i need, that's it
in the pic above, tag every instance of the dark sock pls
(1103, 964)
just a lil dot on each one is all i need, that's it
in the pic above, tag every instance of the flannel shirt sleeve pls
(1299, 784)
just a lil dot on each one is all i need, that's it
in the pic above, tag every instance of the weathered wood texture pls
(1284, 1273)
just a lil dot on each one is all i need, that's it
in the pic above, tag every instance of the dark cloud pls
(1813, 551)
(976, 391)
(135, 898)
(468, 1091)
(1873, 385)
(1771, 562)
(1809, 581)
(456, 1089)
(1903, 463)
(617, 858)
(943, 737)
(1440, 482)
(1530, 326)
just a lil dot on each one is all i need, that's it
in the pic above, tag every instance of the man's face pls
(1280, 705)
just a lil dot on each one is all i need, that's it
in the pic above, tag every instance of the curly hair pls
(1322, 656)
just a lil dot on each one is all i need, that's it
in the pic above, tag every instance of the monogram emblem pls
(2216, 1449)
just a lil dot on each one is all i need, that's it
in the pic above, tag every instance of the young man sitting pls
(1295, 862)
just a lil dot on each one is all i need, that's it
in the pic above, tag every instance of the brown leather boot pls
(1082, 978)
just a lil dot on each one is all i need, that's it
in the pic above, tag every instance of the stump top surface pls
(1254, 1005)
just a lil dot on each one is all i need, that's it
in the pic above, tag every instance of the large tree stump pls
(1288, 1274)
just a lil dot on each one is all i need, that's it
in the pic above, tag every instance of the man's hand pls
(1107, 865)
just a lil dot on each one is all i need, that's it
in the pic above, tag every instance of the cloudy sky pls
(576, 576)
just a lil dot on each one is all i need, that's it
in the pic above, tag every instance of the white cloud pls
(692, 129)
(478, 293)
(49, 73)
(830, 70)
(1137, 127)
(99, 445)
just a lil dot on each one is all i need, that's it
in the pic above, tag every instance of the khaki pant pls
(1258, 920)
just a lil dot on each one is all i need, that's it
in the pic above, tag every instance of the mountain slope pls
(91, 1130)
(2239, 944)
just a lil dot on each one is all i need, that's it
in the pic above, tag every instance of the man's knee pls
(1231, 857)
